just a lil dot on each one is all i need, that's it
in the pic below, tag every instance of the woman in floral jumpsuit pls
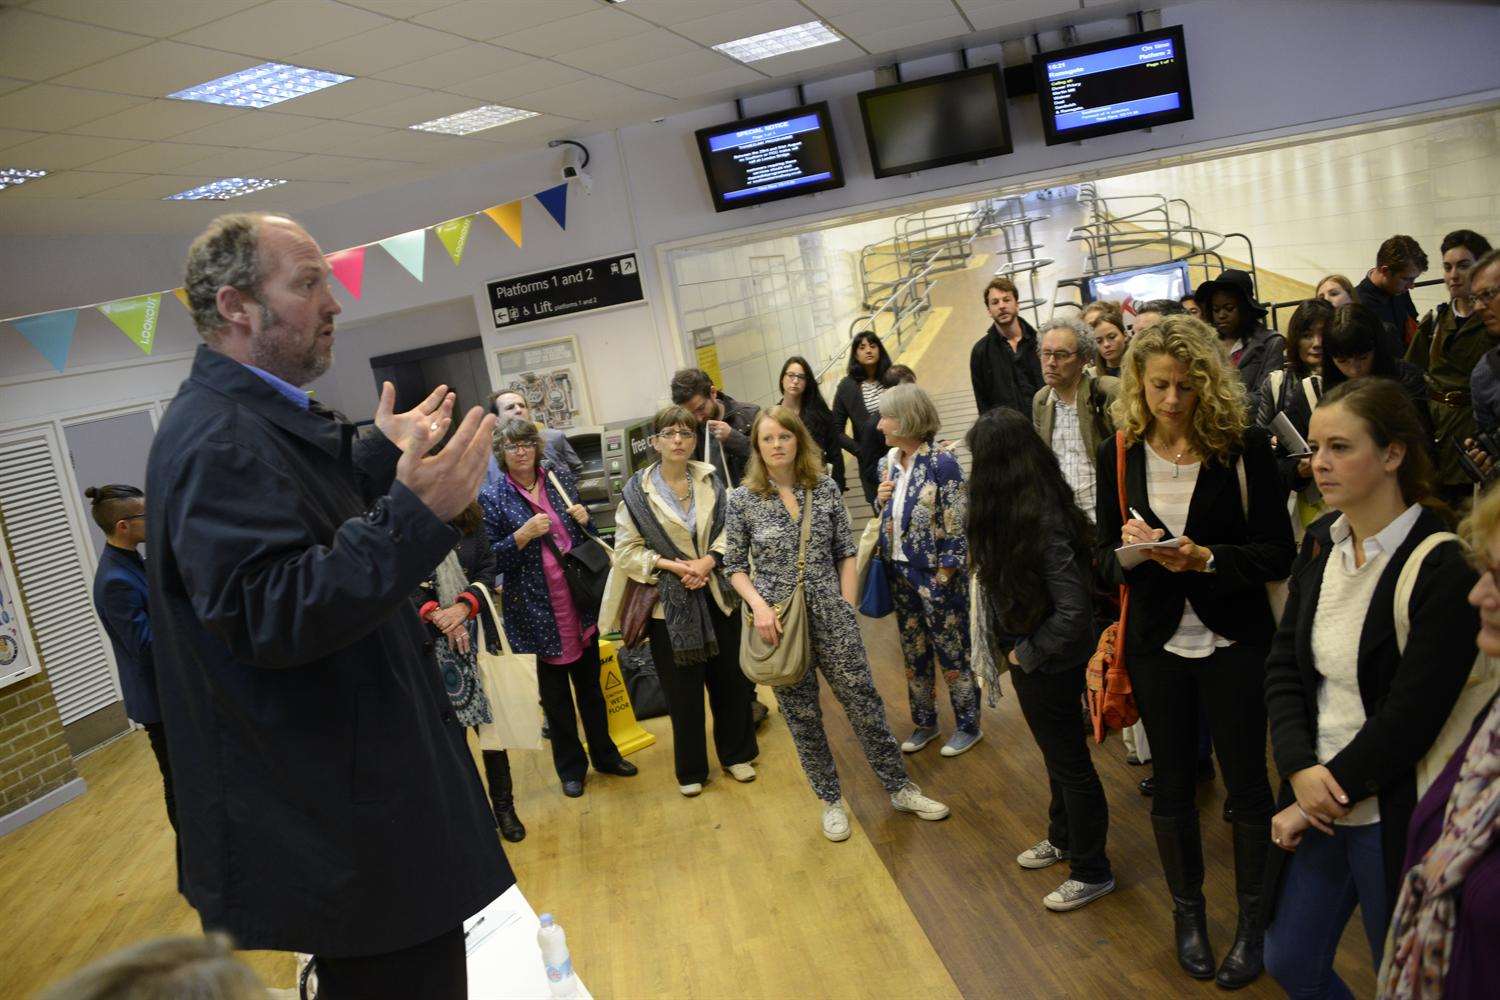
(762, 532)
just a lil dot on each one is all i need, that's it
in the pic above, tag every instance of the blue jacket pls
(121, 597)
(932, 521)
(524, 602)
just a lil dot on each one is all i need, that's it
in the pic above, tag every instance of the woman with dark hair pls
(1200, 621)
(854, 401)
(1030, 552)
(532, 525)
(454, 606)
(1304, 360)
(801, 394)
(1228, 303)
(1352, 711)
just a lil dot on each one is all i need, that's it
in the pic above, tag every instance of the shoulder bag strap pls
(564, 494)
(1124, 516)
(1406, 583)
(807, 498)
(499, 623)
(1239, 471)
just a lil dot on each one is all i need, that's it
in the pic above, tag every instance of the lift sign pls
(595, 284)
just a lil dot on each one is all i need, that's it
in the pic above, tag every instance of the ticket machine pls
(611, 454)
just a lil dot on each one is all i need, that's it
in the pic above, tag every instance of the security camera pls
(575, 160)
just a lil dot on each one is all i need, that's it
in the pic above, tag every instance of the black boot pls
(1246, 957)
(502, 796)
(1181, 849)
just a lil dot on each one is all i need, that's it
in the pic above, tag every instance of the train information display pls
(1117, 86)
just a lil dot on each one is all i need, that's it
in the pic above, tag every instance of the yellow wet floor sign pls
(623, 727)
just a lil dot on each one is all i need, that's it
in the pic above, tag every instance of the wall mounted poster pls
(549, 373)
(16, 658)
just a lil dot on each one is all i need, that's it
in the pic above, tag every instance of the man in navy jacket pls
(327, 799)
(121, 600)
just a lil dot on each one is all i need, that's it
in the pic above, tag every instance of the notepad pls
(1288, 437)
(1131, 556)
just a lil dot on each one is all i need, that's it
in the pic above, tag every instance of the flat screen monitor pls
(936, 121)
(1141, 284)
(1116, 86)
(770, 157)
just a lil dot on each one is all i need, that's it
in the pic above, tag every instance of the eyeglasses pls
(675, 434)
(516, 447)
(795, 376)
(1485, 297)
(1059, 355)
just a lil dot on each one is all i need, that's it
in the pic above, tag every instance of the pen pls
(1136, 514)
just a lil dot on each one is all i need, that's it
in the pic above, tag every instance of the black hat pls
(1236, 282)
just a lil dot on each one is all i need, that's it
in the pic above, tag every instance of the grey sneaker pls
(1041, 855)
(911, 800)
(919, 739)
(960, 742)
(1072, 894)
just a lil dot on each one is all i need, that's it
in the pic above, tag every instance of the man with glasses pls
(1071, 410)
(1386, 290)
(556, 449)
(1484, 384)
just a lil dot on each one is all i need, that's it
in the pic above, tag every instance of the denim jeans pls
(1324, 879)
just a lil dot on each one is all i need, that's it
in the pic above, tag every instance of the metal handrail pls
(1275, 307)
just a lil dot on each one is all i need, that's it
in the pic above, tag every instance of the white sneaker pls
(741, 772)
(690, 790)
(835, 822)
(910, 799)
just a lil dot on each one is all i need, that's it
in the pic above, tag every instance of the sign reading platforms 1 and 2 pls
(563, 291)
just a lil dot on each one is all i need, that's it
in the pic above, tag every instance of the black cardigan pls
(849, 406)
(1247, 554)
(1407, 698)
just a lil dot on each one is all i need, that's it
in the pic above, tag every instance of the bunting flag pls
(51, 334)
(409, 249)
(508, 218)
(181, 294)
(454, 235)
(555, 201)
(349, 267)
(136, 317)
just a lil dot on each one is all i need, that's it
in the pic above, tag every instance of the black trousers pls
(1078, 816)
(158, 739)
(435, 970)
(1230, 685)
(729, 696)
(557, 705)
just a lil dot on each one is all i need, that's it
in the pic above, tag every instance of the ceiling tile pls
(400, 8)
(809, 59)
(325, 136)
(595, 98)
(241, 162)
(437, 72)
(39, 48)
(248, 129)
(157, 70)
(69, 184)
(579, 31)
(677, 11)
(486, 20)
(987, 15)
(899, 36)
(12, 137)
(652, 45)
(392, 44)
(538, 74)
(745, 20)
(160, 119)
(153, 188)
(689, 75)
(890, 11)
(425, 107)
(416, 147)
(333, 168)
(47, 108)
(65, 152)
(157, 18)
(151, 158)
(277, 29)
(350, 98)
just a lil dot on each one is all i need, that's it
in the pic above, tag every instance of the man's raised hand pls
(448, 481)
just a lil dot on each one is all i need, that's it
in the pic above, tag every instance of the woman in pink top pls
(531, 525)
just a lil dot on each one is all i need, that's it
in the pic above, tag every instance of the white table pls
(504, 960)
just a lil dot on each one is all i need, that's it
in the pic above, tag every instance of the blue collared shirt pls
(282, 386)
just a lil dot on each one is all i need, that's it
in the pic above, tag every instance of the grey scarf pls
(686, 611)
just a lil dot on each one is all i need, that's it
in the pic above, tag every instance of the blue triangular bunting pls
(555, 201)
(50, 333)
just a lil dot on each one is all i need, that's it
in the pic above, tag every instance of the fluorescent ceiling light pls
(261, 86)
(475, 120)
(225, 188)
(11, 176)
(779, 42)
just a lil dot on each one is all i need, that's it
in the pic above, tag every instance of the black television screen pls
(1116, 86)
(936, 121)
(761, 159)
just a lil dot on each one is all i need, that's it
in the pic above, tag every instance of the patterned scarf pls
(1421, 941)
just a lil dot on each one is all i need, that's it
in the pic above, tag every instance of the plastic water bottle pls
(554, 944)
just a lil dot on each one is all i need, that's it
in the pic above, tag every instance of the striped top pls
(871, 389)
(1169, 491)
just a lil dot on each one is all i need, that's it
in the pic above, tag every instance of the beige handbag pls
(787, 661)
(510, 686)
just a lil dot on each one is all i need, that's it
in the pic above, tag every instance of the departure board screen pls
(1116, 86)
(781, 155)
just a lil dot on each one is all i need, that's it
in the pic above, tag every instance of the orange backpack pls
(1111, 699)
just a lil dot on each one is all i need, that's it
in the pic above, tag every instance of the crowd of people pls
(318, 597)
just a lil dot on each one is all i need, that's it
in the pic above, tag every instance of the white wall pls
(1270, 68)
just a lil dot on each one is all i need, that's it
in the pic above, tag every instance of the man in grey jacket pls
(555, 446)
(1071, 410)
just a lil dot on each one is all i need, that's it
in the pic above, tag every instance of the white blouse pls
(1169, 490)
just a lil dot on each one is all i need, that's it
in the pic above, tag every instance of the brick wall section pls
(34, 758)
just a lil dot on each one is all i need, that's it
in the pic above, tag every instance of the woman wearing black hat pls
(1228, 302)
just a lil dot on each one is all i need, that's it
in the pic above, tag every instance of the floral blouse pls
(761, 539)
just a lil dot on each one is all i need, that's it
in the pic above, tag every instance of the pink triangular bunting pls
(349, 267)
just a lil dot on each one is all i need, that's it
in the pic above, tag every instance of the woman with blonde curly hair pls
(1200, 623)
